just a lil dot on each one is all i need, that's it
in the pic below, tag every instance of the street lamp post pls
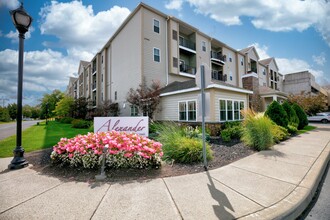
(22, 22)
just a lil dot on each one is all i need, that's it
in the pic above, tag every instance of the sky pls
(295, 32)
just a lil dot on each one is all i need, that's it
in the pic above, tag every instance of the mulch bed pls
(223, 154)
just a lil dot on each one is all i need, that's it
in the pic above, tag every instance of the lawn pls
(39, 137)
(306, 129)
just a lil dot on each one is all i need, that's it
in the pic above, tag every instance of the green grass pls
(306, 129)
(39, 137)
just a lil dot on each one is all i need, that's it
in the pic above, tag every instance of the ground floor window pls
(187, 111)
(134, 110)
(230, 109)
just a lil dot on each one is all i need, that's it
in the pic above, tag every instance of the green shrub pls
(186, 150)
(279, 133)
(292, 116)
(178, 146)
(230, 124)
(277, 114)
(195, 132)
(301, 115)
(79, 123)
(66, 120)
(292, 129)
(234, 132)
(257, 130)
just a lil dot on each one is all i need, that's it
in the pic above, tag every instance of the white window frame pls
(203, 46)
(153, 25)
(187, 109)
(230, 59)
(240, 117)
(153, 51)
(242, 61)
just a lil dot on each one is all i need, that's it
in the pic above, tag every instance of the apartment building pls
(152, 46)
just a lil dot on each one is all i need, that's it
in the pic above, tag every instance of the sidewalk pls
(276, 184)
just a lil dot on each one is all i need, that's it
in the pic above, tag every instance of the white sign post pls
(137, 125)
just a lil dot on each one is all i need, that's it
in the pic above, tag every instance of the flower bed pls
(123, 150)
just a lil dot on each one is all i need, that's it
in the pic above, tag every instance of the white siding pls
(125, 65)
(230, 67)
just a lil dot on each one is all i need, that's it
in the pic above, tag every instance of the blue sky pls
(296, 33)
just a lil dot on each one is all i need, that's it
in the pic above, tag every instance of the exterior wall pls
(126, 61)
(241, 69)
(262, 74)
(225, 94)
(173, 50)
(103, 76)
(297, 83)
(154, 70)
(230, 67)
(169, 105)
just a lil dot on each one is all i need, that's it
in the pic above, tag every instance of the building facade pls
(152, 46)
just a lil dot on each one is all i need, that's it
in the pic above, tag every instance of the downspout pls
(166, 50)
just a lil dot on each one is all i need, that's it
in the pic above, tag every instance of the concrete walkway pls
(276, 184)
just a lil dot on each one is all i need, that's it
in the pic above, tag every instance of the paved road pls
(319, 209)
(9, 129)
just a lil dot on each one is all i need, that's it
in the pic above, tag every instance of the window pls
(156, 26)
(156, 55)
(182, 111)
(191, 111)
(204, 46)
(115, 95)
(134, 110)
(230, 59)
(102, 59)
(242, 61)
(175, 62)
(236, 110)
(264, 71)
(187, 111)
(231, 110)
(231, 76)
(223, 110)
(175, 35)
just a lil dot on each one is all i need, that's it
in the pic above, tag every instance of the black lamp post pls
(22, 22)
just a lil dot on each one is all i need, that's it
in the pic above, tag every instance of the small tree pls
(107, 108)
(12, 109)
(4, 114)
(64, 107)
(292, 116)
(309, 102)
(80, 108)
(145, 98)
(277, 114)
(301, 115)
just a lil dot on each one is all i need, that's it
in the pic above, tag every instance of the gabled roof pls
(84, 63)
(267, 61)
(249, 49)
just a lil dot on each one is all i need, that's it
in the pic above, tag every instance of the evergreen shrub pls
(301, 115)
(277, 114)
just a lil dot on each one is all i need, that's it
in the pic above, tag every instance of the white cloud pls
(174, 4)
(76, 26)
(261, 50)
(319, 60)
(14, 35)
(11, 4)
(44, 71)
(272, 15)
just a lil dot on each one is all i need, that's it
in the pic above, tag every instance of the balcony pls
(187, 69)
(187, 45)
(253, 70)
(218, 75)
(218, 58)
(94, 86)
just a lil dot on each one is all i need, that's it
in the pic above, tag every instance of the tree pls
(80, 108)
(4, 114)
(64, 107)
(145, 98)
(48, 103)
(292, 116)
(310, 103)
(35, 112)
(301, 115)
(27, 111)
(12, 109)
(277, 114)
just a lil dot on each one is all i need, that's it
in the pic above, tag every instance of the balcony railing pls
(218, 75)
(187, 43)
(253, 70)
(187, 69)
(94, 86)
(218, 56)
